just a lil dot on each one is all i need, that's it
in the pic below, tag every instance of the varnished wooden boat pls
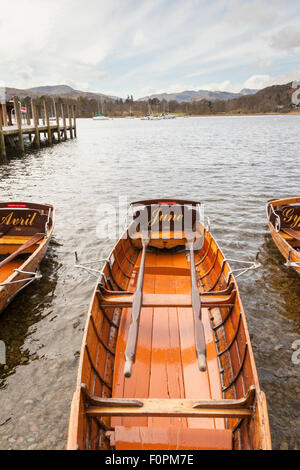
(166, 360)
(284, 224)
(25, 231)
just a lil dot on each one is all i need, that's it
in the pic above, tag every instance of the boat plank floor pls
(9, 268)
(166, 363)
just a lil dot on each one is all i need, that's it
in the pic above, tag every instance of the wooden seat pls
(170, 438)
(166, 300)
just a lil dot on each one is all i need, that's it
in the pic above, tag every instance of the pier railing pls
(36, 123)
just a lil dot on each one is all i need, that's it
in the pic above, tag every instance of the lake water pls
(233, 165)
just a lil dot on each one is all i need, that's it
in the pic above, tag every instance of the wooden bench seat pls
(170, 438)
(167, 300)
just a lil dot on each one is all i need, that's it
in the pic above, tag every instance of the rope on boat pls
(34, 275)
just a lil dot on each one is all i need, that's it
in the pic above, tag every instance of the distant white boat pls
(100, 117)
(167, 116)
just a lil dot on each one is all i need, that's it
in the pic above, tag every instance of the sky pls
(141, 47)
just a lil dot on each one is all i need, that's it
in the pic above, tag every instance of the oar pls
(196, 305)
(32, 241)
(135, 315)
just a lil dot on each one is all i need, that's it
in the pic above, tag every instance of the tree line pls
(274, 99)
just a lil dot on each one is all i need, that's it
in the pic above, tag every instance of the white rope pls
(241, 271)
(35, 275)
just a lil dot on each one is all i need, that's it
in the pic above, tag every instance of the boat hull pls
(12, 275)
(282, 240)
(166, 367)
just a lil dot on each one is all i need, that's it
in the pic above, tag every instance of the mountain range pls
(192, 95)
(64, 91)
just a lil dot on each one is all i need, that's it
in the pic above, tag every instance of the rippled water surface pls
(232, 164)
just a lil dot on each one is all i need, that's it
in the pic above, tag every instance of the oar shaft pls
(200, 343)
(136, 311)
(32, 241)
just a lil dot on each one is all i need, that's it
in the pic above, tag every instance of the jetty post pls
(57, 119)
(2, 140)
(74, 120)
(35, 124)
(19, 121)
(47, 119)
(63, 115)
(70, 121)
(4, 113)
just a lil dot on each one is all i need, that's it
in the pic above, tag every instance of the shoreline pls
(292, 113)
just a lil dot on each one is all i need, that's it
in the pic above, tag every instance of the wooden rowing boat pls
(166, 360)
(284, 225)
(25, 231)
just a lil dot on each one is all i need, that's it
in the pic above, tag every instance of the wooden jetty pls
(37, 124)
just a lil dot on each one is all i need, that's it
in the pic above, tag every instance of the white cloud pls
(128, 46)
(287, 38)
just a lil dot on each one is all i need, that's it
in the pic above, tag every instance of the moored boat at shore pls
(25, 232)
(100, 117)
(166, 359)
(284, 224)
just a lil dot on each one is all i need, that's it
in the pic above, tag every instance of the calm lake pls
(233, 165)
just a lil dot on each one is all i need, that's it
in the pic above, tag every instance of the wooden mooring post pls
(19, 121)
(63, 115)
(37, 142)
(47, 119)
(57, 119)
(13, 135)
(74, 120)
(2, 141)
(70, 121)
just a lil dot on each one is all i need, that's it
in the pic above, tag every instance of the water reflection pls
(21, 317)
(281, 282)
(229, 164)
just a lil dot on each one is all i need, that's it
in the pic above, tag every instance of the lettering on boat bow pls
(24, 220)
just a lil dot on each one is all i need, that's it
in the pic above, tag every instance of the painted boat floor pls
(9, 268)
(166, 363)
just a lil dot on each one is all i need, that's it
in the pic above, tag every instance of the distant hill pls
(191, 95)
(56, 90)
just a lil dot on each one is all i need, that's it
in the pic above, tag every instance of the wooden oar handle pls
(128, 368)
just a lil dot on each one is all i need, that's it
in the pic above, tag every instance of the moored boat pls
(166, 359)
(284, 224)
(25, 231)
(100, 117)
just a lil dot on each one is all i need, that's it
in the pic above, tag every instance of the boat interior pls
(19, 222)
(166, 401)
(286, 220)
